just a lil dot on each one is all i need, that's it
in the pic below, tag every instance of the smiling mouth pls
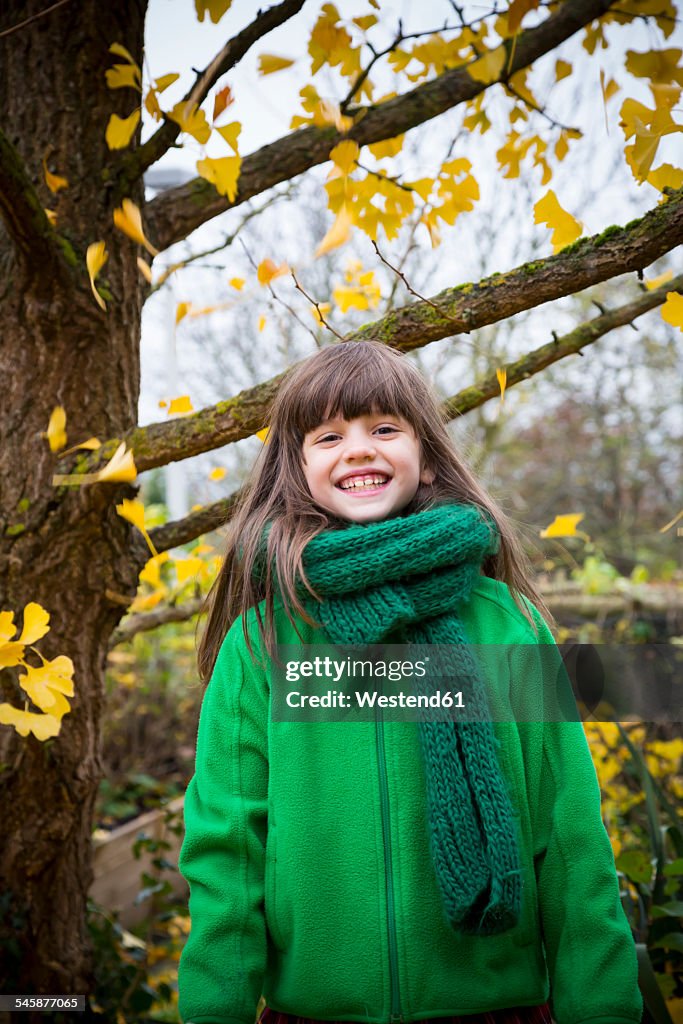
(368, 482)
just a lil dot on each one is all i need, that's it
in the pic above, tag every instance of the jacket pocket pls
(271, 890)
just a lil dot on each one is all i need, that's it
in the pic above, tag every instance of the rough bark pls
(173, 215)
(453, 311)
(66, 549)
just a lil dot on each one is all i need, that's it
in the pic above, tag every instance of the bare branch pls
(34, 17)
(559, 348)
(218, 514)
(231, 54)
(172, 215)
(21, 209)
(587, 262)
(152, 620)
(313, 302)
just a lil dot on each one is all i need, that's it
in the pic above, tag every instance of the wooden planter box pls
(118, 874)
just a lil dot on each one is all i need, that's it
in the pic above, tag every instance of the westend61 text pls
(371, 699)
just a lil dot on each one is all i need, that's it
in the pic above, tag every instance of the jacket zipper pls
(396, 1015)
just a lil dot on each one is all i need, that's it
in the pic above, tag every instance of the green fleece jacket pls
(311, 881)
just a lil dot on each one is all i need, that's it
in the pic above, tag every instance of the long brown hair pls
(346, 380)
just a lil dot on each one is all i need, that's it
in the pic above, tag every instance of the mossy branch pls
(232, 53)
(152, 620)
(587, 262)
(172, 215)
(211, 517)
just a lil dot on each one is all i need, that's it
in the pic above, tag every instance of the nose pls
(359, 449)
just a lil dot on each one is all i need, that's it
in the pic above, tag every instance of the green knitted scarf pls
(408, 577)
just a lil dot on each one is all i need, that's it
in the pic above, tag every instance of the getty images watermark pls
(470, 683)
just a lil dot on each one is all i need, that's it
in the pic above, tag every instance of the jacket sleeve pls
(589, 947)
(223, 852)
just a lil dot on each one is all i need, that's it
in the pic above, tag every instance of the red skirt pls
(515, 1015)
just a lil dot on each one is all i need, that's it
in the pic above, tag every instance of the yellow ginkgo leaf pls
(56, 432)
(36, 621)
(53, 181)
(181, 311)
(672, 310)
(230, 132)
(180, 406)
(237, 282)
(562, 70)
(11, 654)
(191, 120)
(222, 101)
(95, 258)
(655, 282)
(187, 568)
(263, 435)
(152, 105)
(345, 155)
(120, 468)
(124, 76)
(43, 727)
(222, 172)
(488, 68)
(214, 8)
(133, 511)
(49, 685)
(152, 571)
(163, 82)
(92, 444)
(120, 130)
(338, 234)
(665, 176)
(563, 526)
(262, 321)
(7, 627)
(502, 377)
(269, 62)
(51, 216)
(321, 311)
(387, 147)
(268, 270)
(516, 12)
(565, 228)
(217, 473)
(127, 219)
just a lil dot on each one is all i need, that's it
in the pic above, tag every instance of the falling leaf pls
(182, 309)
(261, 322)
(237, 282)
(162, 83)
(222, 101)
(127, 219)
(43, 727)
(92, 444)
(655, 282)
(120, 130)
(338, 234)
(35, 626)
(53, 181)
(502, 376)
(144, 269)
(488, 68)
(95, 258)
(180, 406)
(562, 70)
(268, 270)
(120, 468)
(230, 132)
(214, 8)
(263, 434)
(134, 512)
(672, 310)
(565, 228)
(191, 120)
(223, 173)
(55, 433)
(563, 526)
(218, 473)
(268, 63)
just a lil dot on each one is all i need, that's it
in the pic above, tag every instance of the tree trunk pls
(65, 548)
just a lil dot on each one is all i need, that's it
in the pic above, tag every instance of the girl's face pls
(365, 469)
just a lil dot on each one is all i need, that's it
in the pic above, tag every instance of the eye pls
(385, 428)
(326, 437)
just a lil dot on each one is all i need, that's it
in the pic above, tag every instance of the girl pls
(387, 871)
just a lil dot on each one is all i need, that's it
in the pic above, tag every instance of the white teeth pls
(356, 483)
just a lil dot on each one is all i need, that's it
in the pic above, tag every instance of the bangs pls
(344, 390)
